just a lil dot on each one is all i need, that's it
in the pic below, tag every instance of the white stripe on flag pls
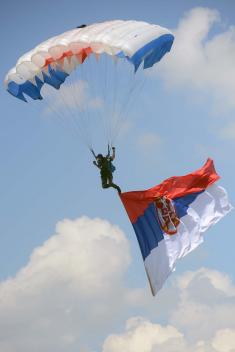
(207, 209)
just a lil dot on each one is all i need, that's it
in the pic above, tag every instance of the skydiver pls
(104, 163)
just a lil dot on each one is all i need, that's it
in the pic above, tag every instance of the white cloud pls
(143, 336)
(201, 61)
(224, 340)
(218, 280)
(201, 321)
(72, 296)
(71, 287)
(207, 304)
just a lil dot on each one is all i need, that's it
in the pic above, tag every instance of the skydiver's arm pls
(95, 163)
(113, 154)
(93, 153)
(108, 155)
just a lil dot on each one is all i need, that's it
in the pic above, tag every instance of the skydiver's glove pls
(94, 162)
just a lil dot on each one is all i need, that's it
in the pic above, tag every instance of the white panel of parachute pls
(53, 60)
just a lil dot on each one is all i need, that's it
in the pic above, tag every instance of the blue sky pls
(186, 111)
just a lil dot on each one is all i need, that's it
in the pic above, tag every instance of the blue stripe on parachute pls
(14, 89)
(27, 87)
(55, 78)
(152, 52)
(147, 227)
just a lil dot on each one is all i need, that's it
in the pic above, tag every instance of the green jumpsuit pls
(106, 172)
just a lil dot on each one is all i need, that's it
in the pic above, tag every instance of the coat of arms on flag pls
(166, 214)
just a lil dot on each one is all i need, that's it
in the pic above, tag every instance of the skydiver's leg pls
(104, 181)
(116, 187)
(111, 184)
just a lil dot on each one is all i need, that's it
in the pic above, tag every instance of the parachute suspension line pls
(73, 101)
(78, 117)
(51, 106)
(114, 101)
(100, 85)
(48, 109)
(135, 91)
(97, 89)
(69, 101)
(86, 114)
(107, 89)
(119, 117)
(135, 88)
(88, 75)
(103, 61)
(120, 90)
(82, 117)
(100, 91)
(60, 117)
(130, 83)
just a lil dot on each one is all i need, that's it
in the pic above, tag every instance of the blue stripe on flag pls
(147, 228)
(182, 203)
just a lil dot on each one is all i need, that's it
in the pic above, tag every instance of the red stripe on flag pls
(136, 202)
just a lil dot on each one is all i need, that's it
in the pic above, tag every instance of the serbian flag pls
(169, 219)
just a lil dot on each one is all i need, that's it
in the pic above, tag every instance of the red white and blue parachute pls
(52, 61)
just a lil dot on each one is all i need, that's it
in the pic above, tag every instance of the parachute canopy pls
(52, 61)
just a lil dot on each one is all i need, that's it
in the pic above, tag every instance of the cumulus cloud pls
(207, 304)
(224, 340)
(143, 336)
(202, 61)
(201, 321)
(72, 295)
(71, 287)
